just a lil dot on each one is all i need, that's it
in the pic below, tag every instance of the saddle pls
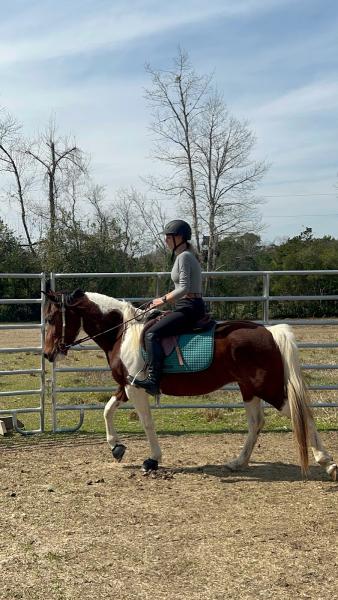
(190, 351)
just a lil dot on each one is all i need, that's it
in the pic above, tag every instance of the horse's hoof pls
(333, 472)
(118, 451)
(234, 466)
(150, 464)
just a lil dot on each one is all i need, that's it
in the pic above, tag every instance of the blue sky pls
(275, 61)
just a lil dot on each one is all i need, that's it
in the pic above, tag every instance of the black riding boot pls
(155, 360)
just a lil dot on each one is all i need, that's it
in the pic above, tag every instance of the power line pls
(298, 195)
(298, 216)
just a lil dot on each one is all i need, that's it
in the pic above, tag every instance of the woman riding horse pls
(187, 298)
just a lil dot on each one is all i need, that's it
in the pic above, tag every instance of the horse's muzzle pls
(50, 356)
(58, 349)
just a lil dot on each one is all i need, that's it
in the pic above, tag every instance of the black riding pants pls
(183, 318)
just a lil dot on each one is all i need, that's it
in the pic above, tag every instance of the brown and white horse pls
(263, 361)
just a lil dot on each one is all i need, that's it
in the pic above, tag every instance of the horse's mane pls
(108, 303)
(128, 311)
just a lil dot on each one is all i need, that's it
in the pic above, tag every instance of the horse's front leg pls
(118, 449)
(140, 400)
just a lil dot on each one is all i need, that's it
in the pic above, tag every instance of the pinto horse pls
(263, 361)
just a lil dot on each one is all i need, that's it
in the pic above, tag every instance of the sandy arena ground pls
(75, 525)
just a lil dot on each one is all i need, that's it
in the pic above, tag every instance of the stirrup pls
(149, 386)
(131, 379)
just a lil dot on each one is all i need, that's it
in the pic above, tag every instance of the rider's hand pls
(157, 302)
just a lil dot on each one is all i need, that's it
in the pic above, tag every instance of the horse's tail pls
(296, 389)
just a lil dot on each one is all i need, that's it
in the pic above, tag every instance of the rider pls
(187, 299)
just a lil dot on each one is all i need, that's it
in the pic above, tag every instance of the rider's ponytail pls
(193, 251)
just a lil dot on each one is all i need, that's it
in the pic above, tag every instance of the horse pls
(263, 361)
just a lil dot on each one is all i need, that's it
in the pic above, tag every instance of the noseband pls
(61, 346)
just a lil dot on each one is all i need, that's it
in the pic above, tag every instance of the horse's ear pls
(51, 295)
(49, 292)
(75, 297)
(78, 293)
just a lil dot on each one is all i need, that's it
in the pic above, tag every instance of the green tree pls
(303, 252)
(15, 258)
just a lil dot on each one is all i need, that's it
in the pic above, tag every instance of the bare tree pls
(129, 222)
(226, 175)
(72, 215)
(96, 197)
(55, 154)
(141, 220)
(177, 99)
(14, 162)
(207, 152)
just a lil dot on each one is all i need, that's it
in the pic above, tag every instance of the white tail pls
(296, 390)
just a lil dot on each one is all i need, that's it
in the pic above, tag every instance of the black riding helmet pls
(178, 227)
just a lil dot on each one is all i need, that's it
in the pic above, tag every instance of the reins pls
(86, 338)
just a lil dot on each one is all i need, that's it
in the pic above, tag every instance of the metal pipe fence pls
(265, 300)
(54, 391)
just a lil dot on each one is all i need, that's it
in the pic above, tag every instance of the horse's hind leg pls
(321, 455)
(255, 416)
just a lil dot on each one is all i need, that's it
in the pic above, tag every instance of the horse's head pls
(63, 321)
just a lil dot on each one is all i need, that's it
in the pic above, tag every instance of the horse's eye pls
(49, 320)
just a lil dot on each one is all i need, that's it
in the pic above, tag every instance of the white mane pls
(128, 311)
(107, 304)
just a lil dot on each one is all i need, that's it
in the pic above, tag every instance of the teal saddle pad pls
(197, 350)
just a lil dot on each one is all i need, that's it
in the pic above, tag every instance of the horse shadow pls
(258, 472)
(262, 471)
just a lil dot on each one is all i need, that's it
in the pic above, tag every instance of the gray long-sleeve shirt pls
(186, 275)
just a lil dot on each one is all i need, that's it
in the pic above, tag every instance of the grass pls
(173, 421)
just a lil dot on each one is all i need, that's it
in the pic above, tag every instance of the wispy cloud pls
(107, 26)
(315, 97)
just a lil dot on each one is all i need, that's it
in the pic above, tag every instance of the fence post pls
(266, 294)
(53, 377)
(42, 361)
(157, 286)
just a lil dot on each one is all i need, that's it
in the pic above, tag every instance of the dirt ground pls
(76, 525)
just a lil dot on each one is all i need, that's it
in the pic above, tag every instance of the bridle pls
(63, 316)
(62, 347)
